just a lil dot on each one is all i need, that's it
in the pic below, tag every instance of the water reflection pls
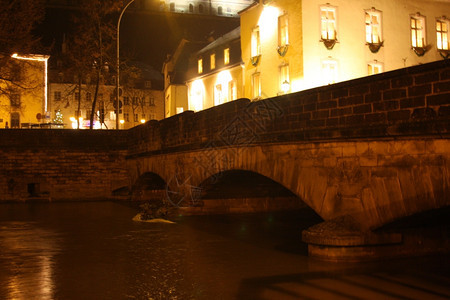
(96, 251)
(28, 259)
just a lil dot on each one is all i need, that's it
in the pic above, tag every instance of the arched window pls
(200, 8)
(191, 8)
(172, 6)
(220, 10)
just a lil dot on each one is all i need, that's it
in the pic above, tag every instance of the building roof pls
(180, 59)
(226, 38)
(255, 3)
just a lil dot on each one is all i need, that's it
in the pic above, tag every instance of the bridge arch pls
(148, 186)
(237, 190)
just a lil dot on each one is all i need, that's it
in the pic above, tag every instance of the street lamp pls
(118, 64)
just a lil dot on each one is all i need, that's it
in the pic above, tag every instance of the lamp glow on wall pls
(39, 58)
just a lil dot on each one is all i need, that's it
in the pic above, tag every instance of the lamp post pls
(118, 64)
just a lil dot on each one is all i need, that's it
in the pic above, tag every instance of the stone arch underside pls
(147, 187)
(373, 181)
(245, 191)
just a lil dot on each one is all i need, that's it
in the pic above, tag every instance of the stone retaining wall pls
(61, 164)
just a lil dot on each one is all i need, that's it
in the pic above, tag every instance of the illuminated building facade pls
(288, 46)
(175, 70)
(215, 73)
(206, 7)
(24, 102)
(138, 104)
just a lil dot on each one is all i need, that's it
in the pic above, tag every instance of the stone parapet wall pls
(406, 102)
(52, 165)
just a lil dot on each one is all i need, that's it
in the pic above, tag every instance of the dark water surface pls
(96, 251)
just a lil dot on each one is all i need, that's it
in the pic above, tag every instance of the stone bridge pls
(361, 154)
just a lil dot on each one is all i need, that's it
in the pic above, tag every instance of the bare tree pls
(92, 46)
(18, 19)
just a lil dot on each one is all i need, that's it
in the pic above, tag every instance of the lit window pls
(226, 56)
(442, 33)
(200, 66)
(418, 38)
(213, 61)
(197, 92)
(256, 86)
(15, 100)
(374, 68)
(373, 26)
(283, 33)
(57, 96)
(232, 90)
(328, 26)
(218, 95)
(329, 71)
(284, 79)
(256, 42)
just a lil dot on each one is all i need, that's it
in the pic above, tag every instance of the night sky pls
(148, 36)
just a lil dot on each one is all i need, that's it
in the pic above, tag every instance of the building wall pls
(208, 84)
(351, 52)
(68, 105)
(31, 109)
(266, 17)
(306, 52)
(176, 98)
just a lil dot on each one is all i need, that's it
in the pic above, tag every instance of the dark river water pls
(96, 251)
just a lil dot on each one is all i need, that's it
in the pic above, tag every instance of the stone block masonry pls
(54, 165)
(413, 101)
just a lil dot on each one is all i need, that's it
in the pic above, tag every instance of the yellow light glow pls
(285, 86)
(197, 93)
(221, 87)
(143, 121)
(72, 119)
(122, 121)
(269, 17)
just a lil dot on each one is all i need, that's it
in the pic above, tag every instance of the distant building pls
(289, 46)
(24, 103)
(215, 73)
(71, 104)
(206, 7)
(198, 7)
(175, 72)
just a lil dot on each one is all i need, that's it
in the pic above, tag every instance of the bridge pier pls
(343, 239)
